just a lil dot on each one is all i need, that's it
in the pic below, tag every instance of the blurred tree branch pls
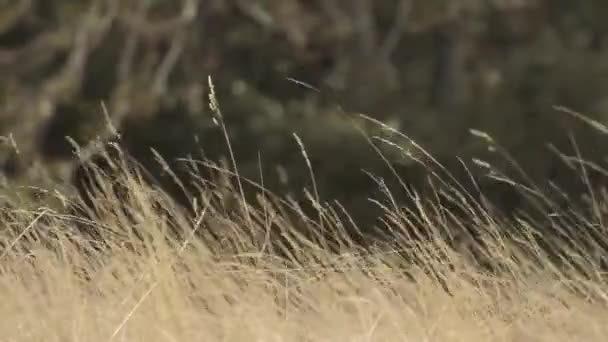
(426, 65)
(10, 17)
(33, 110)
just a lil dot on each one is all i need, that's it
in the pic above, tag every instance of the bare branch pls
(168, 63)
(402, 16)
(254, 11)
(92, 30)
(138, 22)
(9, 18)
(132, 91)
(36, 53)
(125, 64)
(39, 109)
(365, 25)
(175, 50)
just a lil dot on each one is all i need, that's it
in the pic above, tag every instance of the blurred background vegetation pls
(434, 69)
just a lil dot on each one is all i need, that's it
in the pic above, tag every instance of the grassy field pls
(267, 272)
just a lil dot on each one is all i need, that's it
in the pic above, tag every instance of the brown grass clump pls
(151, 272)
(127, 263)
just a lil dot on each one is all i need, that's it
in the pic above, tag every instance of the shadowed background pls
(432, 69)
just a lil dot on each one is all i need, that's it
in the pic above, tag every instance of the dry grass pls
(141, 269)
(163, 286)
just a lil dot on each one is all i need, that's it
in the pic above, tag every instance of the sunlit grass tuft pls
(141, 268)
